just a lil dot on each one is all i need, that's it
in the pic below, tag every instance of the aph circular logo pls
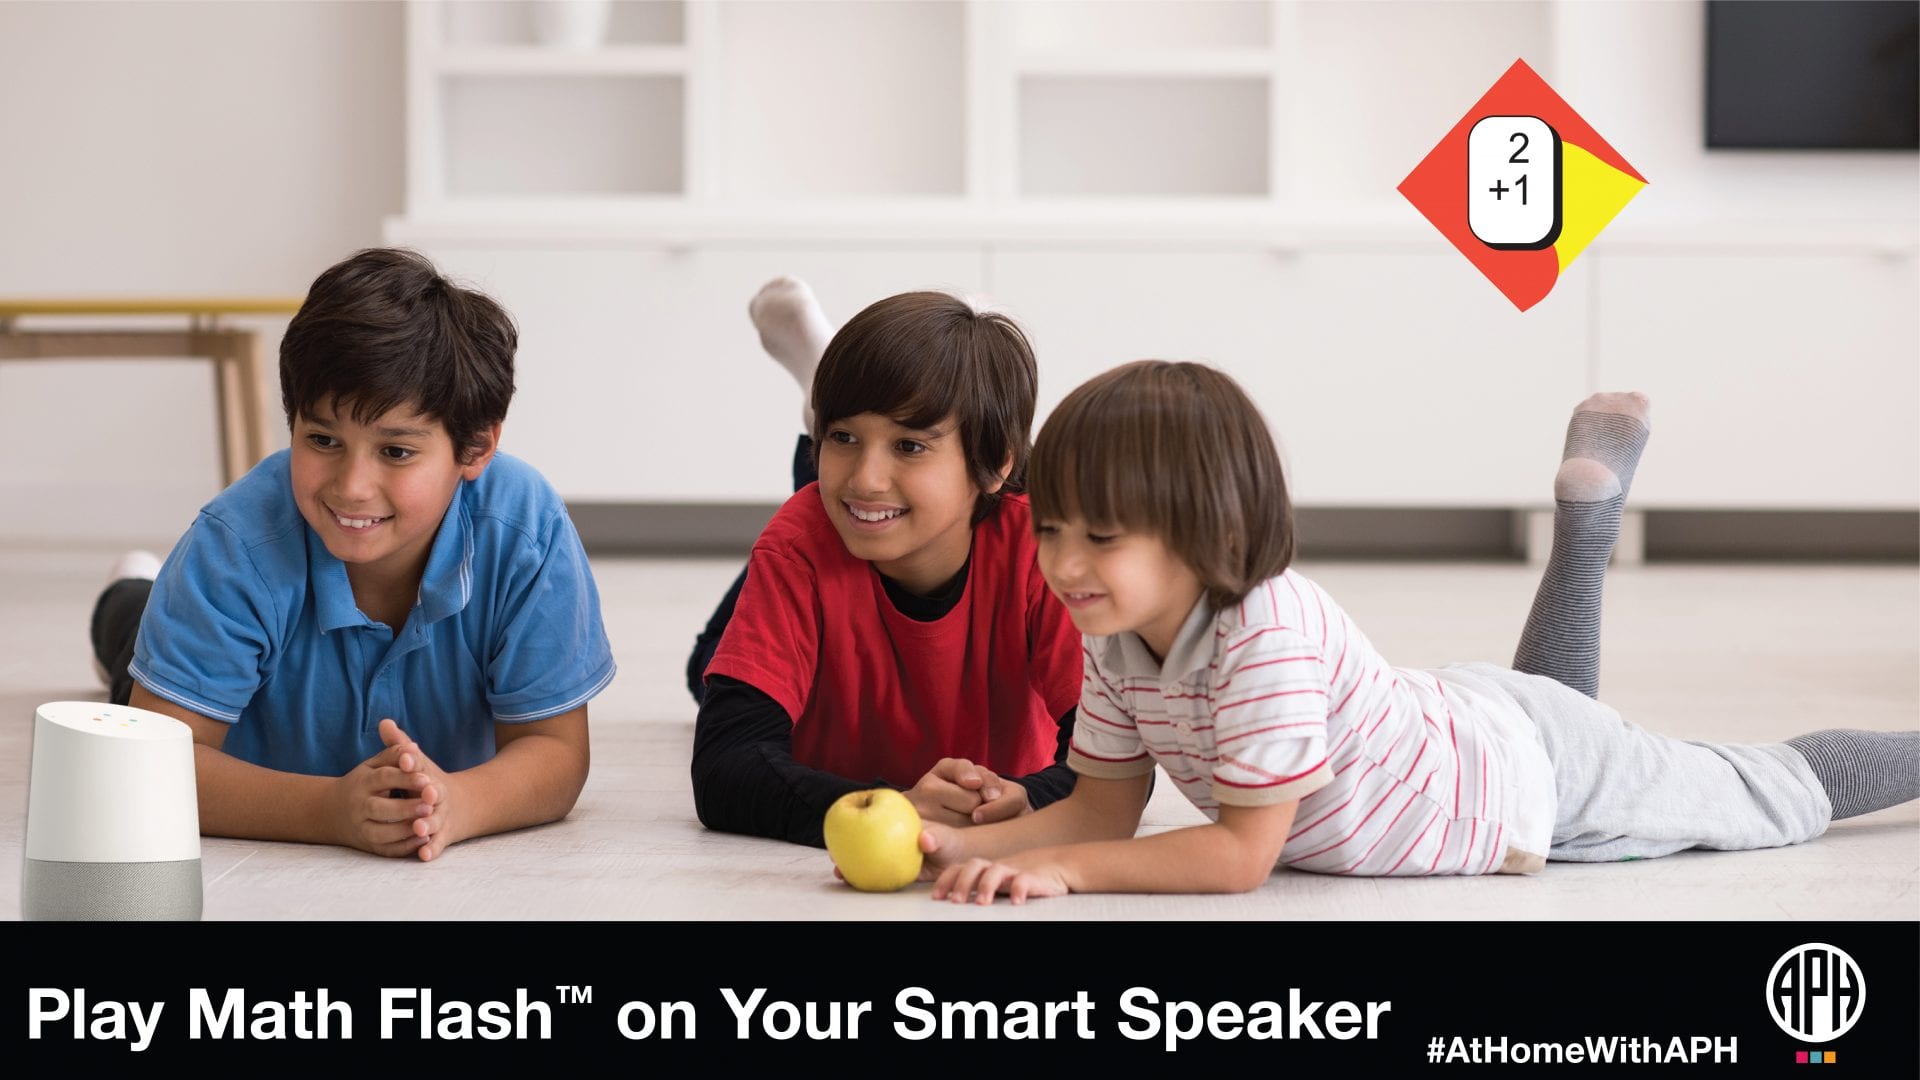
(1816, 992)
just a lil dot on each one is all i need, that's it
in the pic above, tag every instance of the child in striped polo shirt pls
(1164, 526)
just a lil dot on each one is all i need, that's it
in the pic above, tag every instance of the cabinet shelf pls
(547, 135)
(1139, 25)
(510, 23)
(1144, 63)
(534, 60)
(799, 103)
(1165, 137)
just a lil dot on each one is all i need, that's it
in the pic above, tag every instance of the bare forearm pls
(241, 799)
(530, 781)
(1077, 818)
(1201, 859)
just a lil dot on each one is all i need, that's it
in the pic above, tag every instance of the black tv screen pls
(1813, 74)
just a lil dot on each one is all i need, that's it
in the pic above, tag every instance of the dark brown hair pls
(923, 356)
(1178, 451)
(383, 329)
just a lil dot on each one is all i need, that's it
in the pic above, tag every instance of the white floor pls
(1731, 653)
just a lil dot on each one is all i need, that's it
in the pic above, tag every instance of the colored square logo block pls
(1521, 185)
(1799, 1057)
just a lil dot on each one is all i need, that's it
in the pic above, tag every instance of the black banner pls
(1518, 998)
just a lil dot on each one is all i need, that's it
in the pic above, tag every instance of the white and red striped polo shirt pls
(1281, 697)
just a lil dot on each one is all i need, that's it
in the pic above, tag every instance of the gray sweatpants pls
(1622, 791)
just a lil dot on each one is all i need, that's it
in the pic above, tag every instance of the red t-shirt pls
(875, 694)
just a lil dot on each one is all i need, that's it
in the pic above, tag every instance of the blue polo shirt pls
(252, 621)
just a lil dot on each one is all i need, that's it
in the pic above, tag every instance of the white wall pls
(178, 147)
(173, 149)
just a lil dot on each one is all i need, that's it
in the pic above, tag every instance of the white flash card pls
(1513, 182)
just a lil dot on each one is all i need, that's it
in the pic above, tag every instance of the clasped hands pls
(397, 802)
(959, 793)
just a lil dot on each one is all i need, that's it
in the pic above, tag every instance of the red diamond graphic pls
(1521, 185)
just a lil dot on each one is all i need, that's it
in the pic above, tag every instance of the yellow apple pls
(874, 838)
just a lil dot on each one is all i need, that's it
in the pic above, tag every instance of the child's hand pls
(941, 846)
(376, 805)
(954, 788)
(984, 877)
(436, 824)
(1010, 803)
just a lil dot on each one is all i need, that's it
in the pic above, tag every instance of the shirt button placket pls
(375, 647)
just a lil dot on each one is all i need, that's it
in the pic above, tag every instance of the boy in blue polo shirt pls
(386, 636)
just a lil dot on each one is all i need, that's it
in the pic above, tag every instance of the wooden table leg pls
(223, 411)
(253, 406)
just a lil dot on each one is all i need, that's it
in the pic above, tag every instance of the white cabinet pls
(1436, 398)
(1208, 179)
(1792, 381)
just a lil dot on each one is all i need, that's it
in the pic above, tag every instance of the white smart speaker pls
(113, 821)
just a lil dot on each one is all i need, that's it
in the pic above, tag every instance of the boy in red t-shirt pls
(892, 627)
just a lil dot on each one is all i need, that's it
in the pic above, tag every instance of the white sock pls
(144, 565)
(794, 331)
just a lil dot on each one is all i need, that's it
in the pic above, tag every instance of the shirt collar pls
(332, 592)
(445, 586)
(1192, 649)
(447, 583)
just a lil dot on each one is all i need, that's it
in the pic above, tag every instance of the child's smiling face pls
(375, 493)
(1113, 581)
(901, 498)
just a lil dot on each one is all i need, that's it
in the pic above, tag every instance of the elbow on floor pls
(702, 785)
(1248, 876)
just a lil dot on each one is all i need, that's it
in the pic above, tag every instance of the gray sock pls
(1562, 636)
(1863, 771)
